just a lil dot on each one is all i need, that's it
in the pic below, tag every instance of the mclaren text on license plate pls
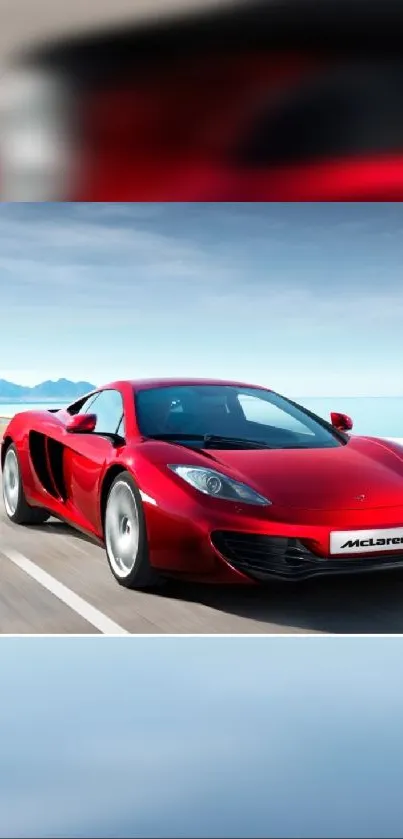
(366, 541)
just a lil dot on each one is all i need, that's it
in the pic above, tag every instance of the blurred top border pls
(30, 26)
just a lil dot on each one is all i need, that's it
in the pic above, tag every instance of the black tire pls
(142, 575)
(23, 512)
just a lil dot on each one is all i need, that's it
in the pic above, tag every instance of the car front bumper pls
(260, 557)
(227, 543)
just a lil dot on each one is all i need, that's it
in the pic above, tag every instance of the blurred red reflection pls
(173, 137)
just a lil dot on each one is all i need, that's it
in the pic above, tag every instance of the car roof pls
(148, 384)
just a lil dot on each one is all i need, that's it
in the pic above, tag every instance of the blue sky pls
(201, 737)
(304, 298)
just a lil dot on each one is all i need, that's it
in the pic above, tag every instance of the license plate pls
(366, 541)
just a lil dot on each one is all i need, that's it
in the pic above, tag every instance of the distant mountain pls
(63, 391)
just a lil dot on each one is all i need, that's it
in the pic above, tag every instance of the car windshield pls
(218, 416)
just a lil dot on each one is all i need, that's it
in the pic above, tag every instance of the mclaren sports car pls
(213, 481)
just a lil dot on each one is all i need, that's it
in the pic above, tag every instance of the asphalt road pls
(54, 581)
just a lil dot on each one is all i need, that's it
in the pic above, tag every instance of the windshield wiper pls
(173, 436)
(211, 440)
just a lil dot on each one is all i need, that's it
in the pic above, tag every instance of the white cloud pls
(187, 302)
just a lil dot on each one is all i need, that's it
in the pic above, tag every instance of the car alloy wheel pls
(11, 482)
(122, 529)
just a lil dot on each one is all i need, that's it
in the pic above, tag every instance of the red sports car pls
(213, 481)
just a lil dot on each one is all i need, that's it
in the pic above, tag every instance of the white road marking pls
(92, 615)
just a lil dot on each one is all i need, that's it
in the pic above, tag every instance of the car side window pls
(121, 428)
(108, 407)
(82, 406)
(86, 408)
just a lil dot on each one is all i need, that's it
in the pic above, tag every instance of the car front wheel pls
(126, 537)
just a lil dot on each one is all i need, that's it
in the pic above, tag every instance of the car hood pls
(364, 473)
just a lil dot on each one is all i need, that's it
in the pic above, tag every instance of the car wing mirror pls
(341, 422)
(81, 424)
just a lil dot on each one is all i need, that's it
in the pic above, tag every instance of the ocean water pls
(378, 416)
(9, 409)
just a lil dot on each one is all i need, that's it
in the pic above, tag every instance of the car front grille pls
(263, 557)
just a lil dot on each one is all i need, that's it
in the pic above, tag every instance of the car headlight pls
(216, 485)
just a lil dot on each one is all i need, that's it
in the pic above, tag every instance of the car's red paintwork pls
(341, 421)
(313, 491)
(82, 424)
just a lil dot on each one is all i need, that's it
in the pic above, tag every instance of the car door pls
(88, 454)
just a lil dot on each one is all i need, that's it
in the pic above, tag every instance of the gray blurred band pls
(26, 24)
